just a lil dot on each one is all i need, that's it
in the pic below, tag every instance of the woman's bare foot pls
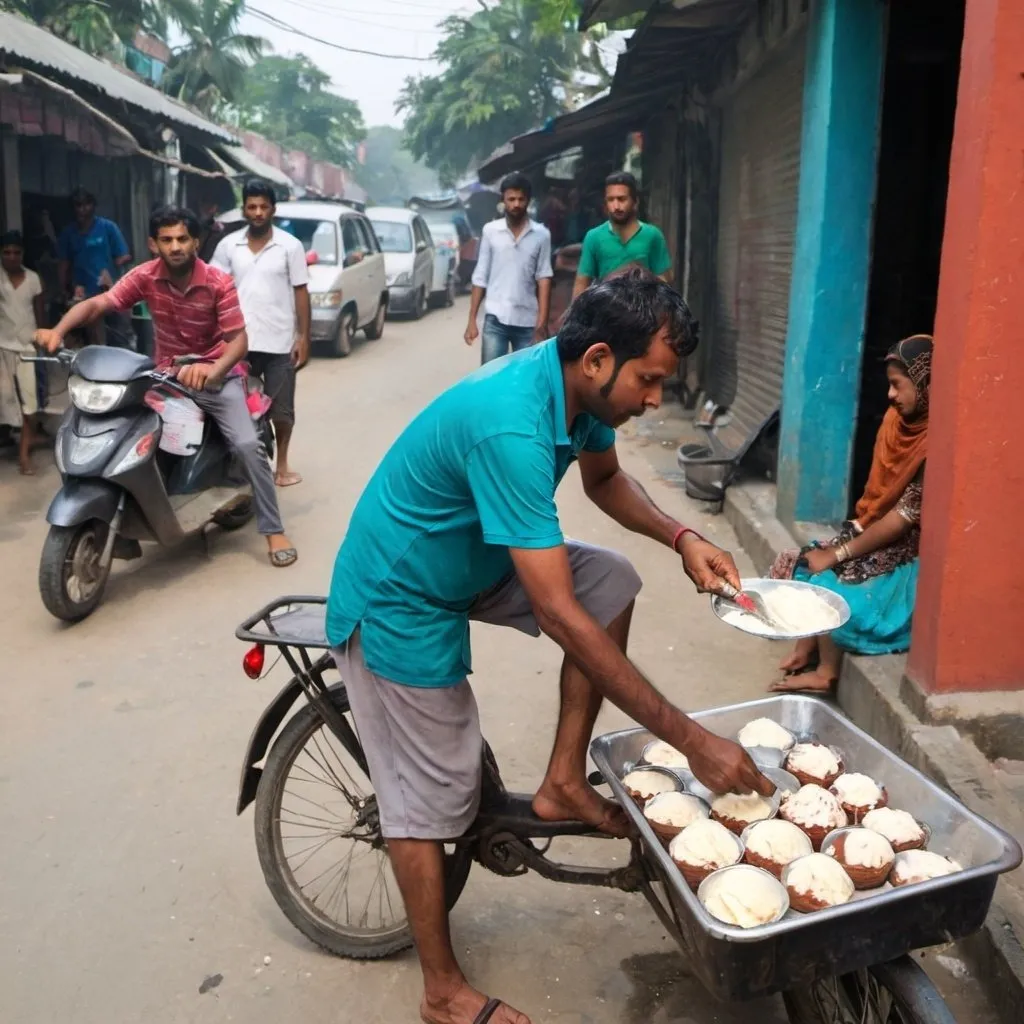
(287, 478)
(464, 1007)
(580, 802)
(801, 655)
(805, 682)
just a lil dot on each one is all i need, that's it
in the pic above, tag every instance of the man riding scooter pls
(195, 312)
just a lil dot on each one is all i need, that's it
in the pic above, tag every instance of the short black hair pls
(257, 188)
(82, 195)
(518, 181)
(623, 178)
(9, 238)
(626, 311)
(168, 216)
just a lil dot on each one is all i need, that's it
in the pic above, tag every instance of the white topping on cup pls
(778, 841)
(763, 732)
(856, 790)
(706, 844)
(811, 805)
(649, 784)
(821, 877)
(898, 827)
(665, 755)
(675, 809)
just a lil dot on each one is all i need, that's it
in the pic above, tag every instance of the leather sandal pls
(283, 557)
(487, 1012)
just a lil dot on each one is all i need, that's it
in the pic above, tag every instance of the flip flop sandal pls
(488, 1011)
(283, 557)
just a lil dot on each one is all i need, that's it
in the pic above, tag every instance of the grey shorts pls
(423, 745)
(277, 371)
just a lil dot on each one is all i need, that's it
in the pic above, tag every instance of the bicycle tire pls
(851, 998)
(349, 942)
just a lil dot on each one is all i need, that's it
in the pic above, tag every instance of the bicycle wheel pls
(319, 843)
(898, 992)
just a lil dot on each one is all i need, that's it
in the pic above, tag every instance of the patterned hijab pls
(901, 445)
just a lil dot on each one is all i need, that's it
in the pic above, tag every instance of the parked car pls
(446, 264)
(408, 258)
(450, 210)
(348, 288)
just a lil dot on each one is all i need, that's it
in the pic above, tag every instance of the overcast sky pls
(405, 27)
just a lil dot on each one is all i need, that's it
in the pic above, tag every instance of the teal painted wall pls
(831, 267)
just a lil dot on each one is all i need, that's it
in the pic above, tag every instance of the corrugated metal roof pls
(23, 41)
(252, 164)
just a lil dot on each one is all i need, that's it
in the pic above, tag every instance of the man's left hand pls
(707, 565)
(300, 352)
(199, 376)
(540, 332)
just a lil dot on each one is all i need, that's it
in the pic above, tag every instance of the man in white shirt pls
(514, 271)
(21, 312)
(270, 272)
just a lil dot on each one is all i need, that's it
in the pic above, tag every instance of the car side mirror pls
(312, 258)
(421, 246)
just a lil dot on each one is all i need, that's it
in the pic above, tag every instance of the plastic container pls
(183, 421)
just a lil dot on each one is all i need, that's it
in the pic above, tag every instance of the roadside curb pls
(869, 692)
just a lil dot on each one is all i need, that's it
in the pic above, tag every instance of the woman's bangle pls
(842, 553)
(680, 533)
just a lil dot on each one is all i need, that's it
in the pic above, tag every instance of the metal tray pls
(760, 585)
(736, 963)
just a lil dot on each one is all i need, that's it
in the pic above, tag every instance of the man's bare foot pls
(464, 1006)
(805, 682)
(580, 802)
(287, 478)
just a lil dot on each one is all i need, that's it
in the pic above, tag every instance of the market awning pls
(697, 13)
(249, 164)
(606, 114)
(22, 43)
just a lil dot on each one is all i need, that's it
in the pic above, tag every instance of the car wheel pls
(420, 308)
(375, 328)
(341, 344)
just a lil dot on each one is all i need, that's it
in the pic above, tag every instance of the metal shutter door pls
(760, 178)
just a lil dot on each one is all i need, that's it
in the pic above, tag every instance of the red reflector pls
(252, 663)
(145, 445)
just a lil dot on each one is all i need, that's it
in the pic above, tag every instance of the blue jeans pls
(499, 337)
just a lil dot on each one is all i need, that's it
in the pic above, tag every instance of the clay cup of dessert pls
(744, 896)
(643, 783)
(703, 847)
(903, 830)
(669, 813)
(814, 764)
(738, 810)
(774, 844)
(815, 811)
(920, 866)
(859, 794)
(660, 754)
(766, 742)
(816, 882)
(866, 856)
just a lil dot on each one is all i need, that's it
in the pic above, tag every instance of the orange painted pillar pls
(969, 619)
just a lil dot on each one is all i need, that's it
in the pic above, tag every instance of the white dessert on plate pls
(815, 811)
(663, 754)
(738, 810)
(744, 896)
(815, 882)
(771, 845)
(903, 830)
(920, 866)
(763, 732)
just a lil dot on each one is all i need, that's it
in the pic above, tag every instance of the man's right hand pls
(49, 339)
(725, 767)
(472, 333)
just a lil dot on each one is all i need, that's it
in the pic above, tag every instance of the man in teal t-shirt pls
(623, 239)
(459, 523)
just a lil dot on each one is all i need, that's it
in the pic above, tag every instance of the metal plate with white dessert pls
(738, 963)
(733, 615)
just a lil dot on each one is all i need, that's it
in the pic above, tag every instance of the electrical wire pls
(285, 27)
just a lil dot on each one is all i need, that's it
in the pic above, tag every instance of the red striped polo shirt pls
(189, 322)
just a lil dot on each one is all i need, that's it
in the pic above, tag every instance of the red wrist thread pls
(682, 532)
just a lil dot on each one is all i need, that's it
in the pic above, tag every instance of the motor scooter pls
(120, 483)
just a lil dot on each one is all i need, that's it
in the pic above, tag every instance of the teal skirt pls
(881, 609)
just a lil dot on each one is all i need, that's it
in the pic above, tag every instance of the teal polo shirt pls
(604, 252)
(472, 476)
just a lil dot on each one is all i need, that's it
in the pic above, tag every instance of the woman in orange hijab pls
(873, 561)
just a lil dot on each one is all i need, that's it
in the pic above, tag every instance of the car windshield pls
(444, 234)
(317, 236)
(394, 237)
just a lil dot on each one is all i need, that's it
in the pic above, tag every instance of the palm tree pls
(210, 67)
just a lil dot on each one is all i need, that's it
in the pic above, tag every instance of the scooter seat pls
(110, 365)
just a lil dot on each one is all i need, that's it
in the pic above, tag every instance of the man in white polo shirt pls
(514, 272)
(269, 268)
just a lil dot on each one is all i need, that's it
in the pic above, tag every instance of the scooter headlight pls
(90, 396)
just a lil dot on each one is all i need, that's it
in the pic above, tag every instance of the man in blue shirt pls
(92, 252)
(459, 523)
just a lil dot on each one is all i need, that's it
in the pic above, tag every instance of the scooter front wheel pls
(72, 576)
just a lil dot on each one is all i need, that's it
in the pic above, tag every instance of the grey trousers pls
(228, 408)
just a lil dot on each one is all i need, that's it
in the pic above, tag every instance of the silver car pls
(408, 258)
(446, 263)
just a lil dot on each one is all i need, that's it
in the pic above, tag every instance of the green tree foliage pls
(91, 25)
(209, 69)
(288, 100)
(389, 172)
(506, 69)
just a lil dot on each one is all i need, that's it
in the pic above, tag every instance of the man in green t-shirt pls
(623, 239)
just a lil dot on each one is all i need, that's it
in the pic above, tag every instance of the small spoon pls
(750, 602)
